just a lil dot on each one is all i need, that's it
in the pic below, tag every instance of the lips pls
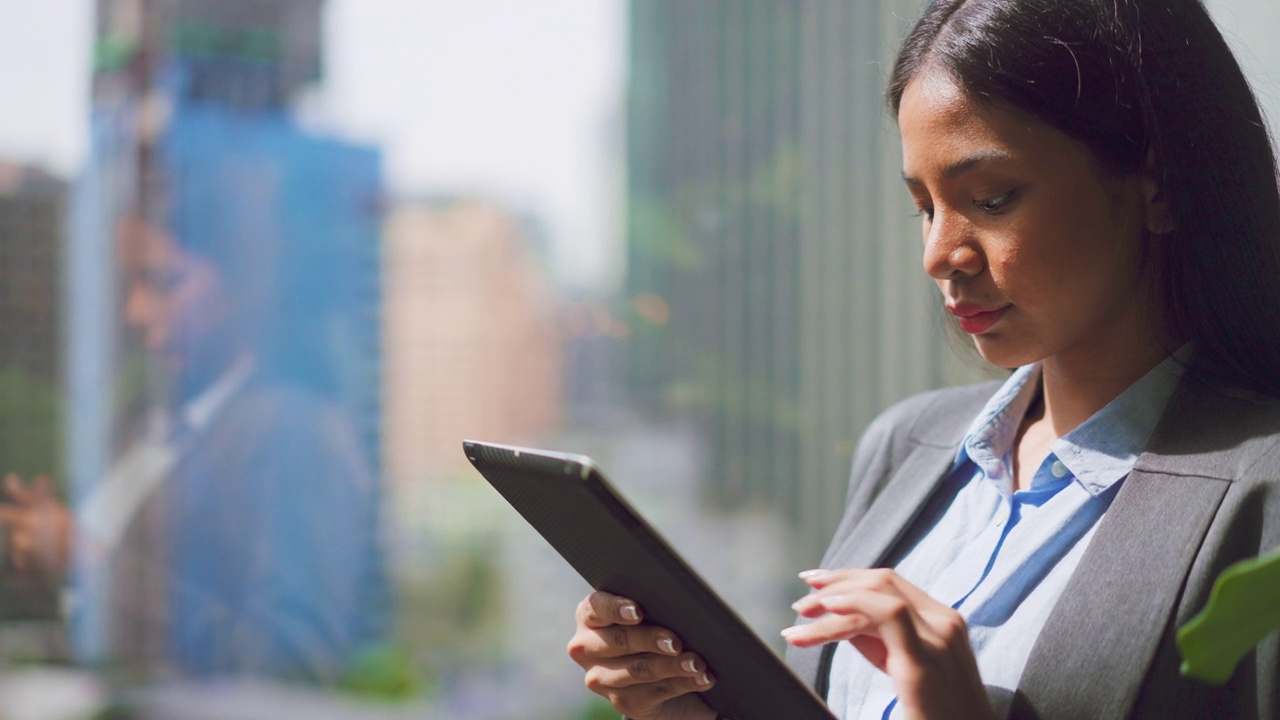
(976, 319)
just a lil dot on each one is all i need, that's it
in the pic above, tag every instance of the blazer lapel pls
(930, 449)
(870, 541)
(1111, 617)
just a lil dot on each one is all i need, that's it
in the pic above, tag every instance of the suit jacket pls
(260, 555)
(1204, 494)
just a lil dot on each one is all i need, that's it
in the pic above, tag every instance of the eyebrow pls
(964, 165)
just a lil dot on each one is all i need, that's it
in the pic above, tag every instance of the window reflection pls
(312, 244)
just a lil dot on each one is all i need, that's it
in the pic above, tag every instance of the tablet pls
(569, 502)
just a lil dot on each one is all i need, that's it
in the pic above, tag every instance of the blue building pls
(193, 140)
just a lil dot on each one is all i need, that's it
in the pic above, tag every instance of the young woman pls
(1100, 211)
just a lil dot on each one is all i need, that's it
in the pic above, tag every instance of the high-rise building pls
(774, 277)
(473, 343)
(32, 227)
(242, 53)
(32, 240)
(193, 126)
(192, 132)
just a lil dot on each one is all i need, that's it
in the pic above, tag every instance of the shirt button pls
(1058, 469)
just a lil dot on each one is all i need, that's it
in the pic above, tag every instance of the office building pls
(473, 336)
(773, 263)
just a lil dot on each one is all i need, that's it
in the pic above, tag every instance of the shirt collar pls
(200, 410)
(992, 432)
(1099, 452)
(1103, 449)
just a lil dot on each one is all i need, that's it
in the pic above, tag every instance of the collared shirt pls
(999, 557)
(140, 470)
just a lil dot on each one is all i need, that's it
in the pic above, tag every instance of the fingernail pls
(833, 601)
(704, 680)
(811, 574)
(689, 665)
(667, 646)
(629, 612)
(788, 632)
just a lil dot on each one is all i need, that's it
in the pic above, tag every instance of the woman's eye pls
(994, 205)
(926, 212)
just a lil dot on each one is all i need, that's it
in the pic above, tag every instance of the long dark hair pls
(1134, 80)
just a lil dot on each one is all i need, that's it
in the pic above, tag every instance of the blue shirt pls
(999, 557)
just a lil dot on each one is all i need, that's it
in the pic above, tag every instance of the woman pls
(1100, 211)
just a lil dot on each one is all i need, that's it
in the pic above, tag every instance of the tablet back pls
(571, 504)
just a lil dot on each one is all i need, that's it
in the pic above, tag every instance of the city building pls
(33, 207)
(774, 283)
(192, 131)
(473, 337)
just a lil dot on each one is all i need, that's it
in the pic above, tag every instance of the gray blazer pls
(1205, 494)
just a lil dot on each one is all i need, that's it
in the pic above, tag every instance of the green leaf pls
(382, 672)
(1243, 608)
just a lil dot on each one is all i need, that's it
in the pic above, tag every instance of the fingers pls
(634, 665)
(11, 515)
(637, 685)
(42, 488)
(15, 490)
(600, 609)
(879, 603)
(641, 700)
(922, 644)
(647, 669)
(589, 645)
(858, 611)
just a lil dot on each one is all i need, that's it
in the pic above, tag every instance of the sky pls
(520, 100)
(515, 100)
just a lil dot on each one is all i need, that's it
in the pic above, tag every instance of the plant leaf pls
(1243, 608)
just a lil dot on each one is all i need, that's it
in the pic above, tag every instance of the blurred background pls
(265, 263)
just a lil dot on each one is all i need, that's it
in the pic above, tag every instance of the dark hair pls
(1131, 80)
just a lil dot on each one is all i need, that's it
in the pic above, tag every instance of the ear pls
(1155, 210)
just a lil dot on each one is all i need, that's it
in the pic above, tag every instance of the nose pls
(950, 249)
(138, 306)
(143, 311)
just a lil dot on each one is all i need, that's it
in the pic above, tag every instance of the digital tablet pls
(569, 502)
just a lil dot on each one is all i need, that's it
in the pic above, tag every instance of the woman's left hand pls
(920, 643)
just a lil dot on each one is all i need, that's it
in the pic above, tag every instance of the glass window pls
(264, 264)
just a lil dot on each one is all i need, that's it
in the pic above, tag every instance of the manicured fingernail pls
(811, 574)
(704, 680)
(788, 632)
(667, 646)
(689, 665)
(834, 601)
(629, 612)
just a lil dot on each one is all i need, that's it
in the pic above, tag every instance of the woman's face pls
(1034, 249)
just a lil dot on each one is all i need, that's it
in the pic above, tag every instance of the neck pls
(1075, 388)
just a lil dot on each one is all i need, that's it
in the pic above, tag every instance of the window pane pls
(264, 264)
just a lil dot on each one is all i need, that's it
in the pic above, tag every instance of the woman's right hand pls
(639, 668)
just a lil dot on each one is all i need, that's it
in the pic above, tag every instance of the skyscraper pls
(192, 135)
(32, 241)
(473, 347)
(32, 228)
(773, 275)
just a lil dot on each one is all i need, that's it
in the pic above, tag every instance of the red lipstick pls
(976, 319)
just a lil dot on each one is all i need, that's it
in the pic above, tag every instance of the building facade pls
(766, 213)
(473, 337)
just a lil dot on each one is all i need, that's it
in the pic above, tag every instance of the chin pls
(1000, 352)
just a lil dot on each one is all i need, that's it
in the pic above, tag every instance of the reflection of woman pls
(1100, 210)
(238, 535)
